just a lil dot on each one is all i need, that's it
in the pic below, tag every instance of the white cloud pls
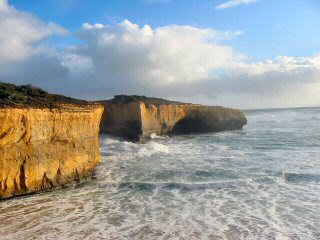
(20, 33)
(282, 82)
(186, 62)
(233, 3)
(177, 62)
(159, 57)
(77, 64)
(4, 7)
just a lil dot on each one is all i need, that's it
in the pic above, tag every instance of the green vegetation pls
(147, 100)
(30, 96)
(128, 98)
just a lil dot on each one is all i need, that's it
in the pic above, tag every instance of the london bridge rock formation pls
(50, 140)
(44, 142)
(137, 117)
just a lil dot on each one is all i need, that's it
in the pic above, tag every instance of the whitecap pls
(155, 136)
(152, 148)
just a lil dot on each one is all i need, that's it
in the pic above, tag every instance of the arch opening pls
(189, 125)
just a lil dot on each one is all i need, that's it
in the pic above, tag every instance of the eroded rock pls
(136, 118)
(44, 148)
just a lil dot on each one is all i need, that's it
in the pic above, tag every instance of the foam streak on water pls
(259, 183)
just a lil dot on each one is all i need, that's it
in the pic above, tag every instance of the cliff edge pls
(137, 117)
(45, 142)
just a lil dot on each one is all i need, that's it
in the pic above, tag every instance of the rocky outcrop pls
(122, 119)
(50, 140)
(44, 148)
(136, 119)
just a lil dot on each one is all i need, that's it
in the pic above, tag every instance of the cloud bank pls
(178, 62)
(233, 3)
(20, 33)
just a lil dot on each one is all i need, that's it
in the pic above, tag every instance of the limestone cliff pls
(137, 118)
(122, 119)
(44, 148)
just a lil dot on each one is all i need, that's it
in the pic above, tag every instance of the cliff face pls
(166, 119)
(42, 148)
(189, 118)
(122, 119)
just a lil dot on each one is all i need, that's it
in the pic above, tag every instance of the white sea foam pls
(108, 139)
(284, 116)
(155, 136)
(259, 183)
(152, 148)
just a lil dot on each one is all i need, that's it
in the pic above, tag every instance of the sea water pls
(262, 182)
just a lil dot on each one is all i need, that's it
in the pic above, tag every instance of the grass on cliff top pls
(147, 100)
(29, 96)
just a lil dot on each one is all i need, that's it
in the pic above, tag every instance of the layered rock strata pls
(136, 120)
(44, 148)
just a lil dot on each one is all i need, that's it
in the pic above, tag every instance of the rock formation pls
(136, 118)
(42, 148)
(50, 140)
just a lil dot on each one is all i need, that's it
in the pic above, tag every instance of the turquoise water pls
(262, 182)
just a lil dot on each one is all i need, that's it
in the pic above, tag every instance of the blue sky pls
(238, 53)
(271, 27)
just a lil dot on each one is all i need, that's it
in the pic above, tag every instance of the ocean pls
(262, 182)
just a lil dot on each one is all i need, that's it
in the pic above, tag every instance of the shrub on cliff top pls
(30, 96)
(147, 100)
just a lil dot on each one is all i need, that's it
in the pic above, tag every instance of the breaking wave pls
(259, 183)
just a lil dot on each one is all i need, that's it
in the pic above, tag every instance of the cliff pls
(136, 118)
(43, 148)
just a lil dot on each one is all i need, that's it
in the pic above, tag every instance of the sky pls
(237, 53)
